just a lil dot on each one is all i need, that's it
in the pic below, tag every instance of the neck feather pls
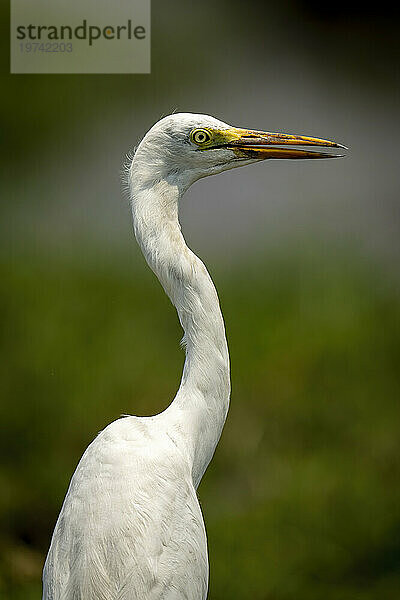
(198, 412)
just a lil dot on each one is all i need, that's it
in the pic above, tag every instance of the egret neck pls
(197, 414)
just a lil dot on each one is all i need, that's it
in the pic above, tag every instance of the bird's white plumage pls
(131, 525)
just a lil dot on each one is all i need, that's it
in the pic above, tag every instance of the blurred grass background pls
(302, 498)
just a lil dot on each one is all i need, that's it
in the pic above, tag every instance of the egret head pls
(185, 147)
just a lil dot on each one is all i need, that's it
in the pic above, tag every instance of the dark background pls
(302, 498)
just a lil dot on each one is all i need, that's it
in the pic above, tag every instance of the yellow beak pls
(249, 143)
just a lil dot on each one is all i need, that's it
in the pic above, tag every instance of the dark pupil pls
(201, 137)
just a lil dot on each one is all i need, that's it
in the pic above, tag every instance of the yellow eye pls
(200, 136)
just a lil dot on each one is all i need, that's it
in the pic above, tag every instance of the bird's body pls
(131, 526)
(144, 513)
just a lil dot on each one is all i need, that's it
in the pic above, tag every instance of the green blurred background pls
(302, 498)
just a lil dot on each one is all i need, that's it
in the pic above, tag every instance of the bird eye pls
(200, 136)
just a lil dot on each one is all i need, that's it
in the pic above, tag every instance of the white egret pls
(131, 526)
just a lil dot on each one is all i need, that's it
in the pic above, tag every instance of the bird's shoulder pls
(128, 458)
